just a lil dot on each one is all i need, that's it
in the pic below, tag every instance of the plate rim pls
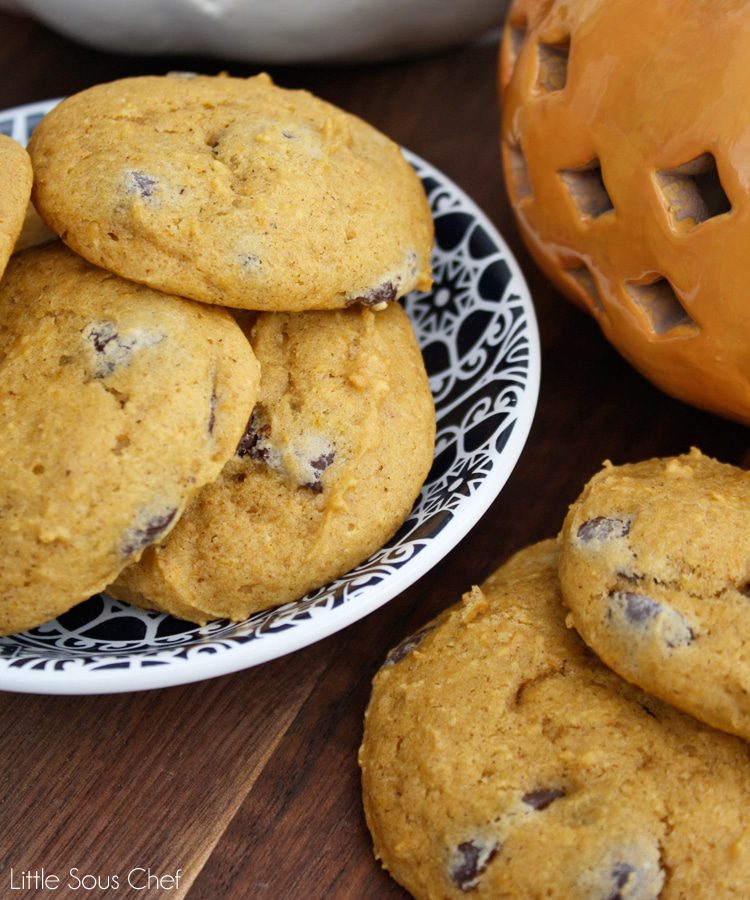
(75, 681)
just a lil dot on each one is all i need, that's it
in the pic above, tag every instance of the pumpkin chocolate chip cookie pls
(117, 403)
(655, 568)
(334, 454)
(15, 190)
(501, 759)
(233, 191)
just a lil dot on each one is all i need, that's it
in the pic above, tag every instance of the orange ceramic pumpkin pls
(626, 150)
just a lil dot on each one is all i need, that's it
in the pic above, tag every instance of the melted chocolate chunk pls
(641, 611)
(376, 296)
(142, 184)
(542, 797)
(602, 528)
(250, 443)
(639, 608)
(622, 874)
(472, 860)
(140, 537)
(112, 349)
(319, 466)
(402, 650)
(101, 334)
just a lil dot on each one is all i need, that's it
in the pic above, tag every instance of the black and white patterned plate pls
(479, 337)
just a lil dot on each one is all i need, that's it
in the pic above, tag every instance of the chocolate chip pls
(101, 334)
(322, 462)
(635, 872)
(377, 296)
(251, 443)
(622, 875)
(542, 797)
(402, 650)
(319, 466)
(603, 528)
(250, 262)
(639, 608)
(139, 537)
(471, 861)
(642, 612)
(113, 349)
(142, 184)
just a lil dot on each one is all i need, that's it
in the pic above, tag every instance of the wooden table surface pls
(247, 785)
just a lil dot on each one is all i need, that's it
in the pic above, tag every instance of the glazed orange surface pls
(626, 150)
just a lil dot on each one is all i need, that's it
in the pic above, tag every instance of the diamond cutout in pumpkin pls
(553, 65)
(585, 281)
(692, 192)
(586, 187)
(662, 306)
(518, 173)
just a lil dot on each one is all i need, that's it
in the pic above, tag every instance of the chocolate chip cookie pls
(655, 568)
(233, 191)
(332, 459)
(502, 759)
(15, 190)
(117, 403)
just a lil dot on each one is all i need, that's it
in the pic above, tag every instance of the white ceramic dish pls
(278, 31)
(479, 337)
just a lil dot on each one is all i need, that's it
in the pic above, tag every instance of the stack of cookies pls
(210, 404)
(505, 759)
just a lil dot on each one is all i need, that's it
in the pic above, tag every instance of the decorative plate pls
(479, 337)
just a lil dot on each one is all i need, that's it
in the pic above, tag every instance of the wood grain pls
(249, 783)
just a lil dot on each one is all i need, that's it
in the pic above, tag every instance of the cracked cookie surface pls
(501, 759)
(117, 404)
(233, 191)
(655, 568)
(15, 190)
(331, 461)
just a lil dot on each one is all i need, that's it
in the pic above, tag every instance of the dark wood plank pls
(152, 779)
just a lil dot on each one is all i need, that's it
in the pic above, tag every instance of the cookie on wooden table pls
(655, 568)
(233, 191)
(501, 759)
(333, 457)
(117, 403)
(15, 190)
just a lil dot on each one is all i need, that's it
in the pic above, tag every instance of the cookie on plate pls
(34, 232)
(334, 455)
(116, 404)
(15, 190)
(501, 759)
(233, 191)
(655, 568)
